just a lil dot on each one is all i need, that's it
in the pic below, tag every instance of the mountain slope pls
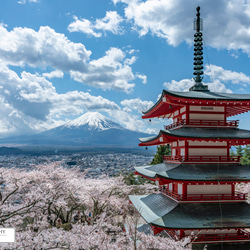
(93, 120)
(91, 130)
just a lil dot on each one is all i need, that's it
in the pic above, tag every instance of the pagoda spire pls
(198, 54)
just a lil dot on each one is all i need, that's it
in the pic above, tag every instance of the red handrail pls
(221, 237)
(206, 123)
(240, 235)
(200, 159)
(204, 197)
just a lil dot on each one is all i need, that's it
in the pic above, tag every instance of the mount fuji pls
(89, 131)
(93, 121)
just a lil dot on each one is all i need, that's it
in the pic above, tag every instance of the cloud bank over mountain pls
(59, 61)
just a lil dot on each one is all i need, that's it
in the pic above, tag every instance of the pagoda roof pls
(160, 211)
(196, 172)
(172, 100)
(207, 95)
(201, 134)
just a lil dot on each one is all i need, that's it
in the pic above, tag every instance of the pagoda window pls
(202, 148)
(209, 189)
(173, 151)
(207, 151)
(207, 113)
(180, 188)
(210, 143)
(182, 151)
(183, 109)
(176, 113)
(170, 186)
(183, 117)
(207, 109)
(206, 116)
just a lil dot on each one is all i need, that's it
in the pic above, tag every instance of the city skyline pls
(61, 59)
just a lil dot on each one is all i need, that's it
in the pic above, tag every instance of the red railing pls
(172, 234)
(204, 123)
(240, 236)
(201, 159)
(243, 236)
(205, 197)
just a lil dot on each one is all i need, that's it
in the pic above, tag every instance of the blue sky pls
(60, 59)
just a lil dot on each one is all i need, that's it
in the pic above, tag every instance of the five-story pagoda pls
(197, 195)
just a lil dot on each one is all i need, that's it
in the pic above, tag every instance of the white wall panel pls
(207, 151)
(208, 189)
(204, 143)
(206, 116)
(179, 188)
(207, 108)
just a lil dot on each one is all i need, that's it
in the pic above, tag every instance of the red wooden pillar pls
(186, 149)
(187, 114)
(156, 230)
(228, 150)
(233, 189)
(184, 189)
(182, 234)
(225, 115)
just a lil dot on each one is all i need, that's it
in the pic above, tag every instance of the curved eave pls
(160, 211)
(163, 108)
(171, 100)
(195, 172)
(234, 136)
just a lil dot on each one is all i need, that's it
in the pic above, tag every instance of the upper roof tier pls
(196, 172)
(170, 101)
(233, 136)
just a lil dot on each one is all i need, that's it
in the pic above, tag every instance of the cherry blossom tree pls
(52, 207)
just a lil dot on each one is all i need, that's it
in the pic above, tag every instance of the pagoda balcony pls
(242, 235)
(201, 159)
(203, 123)
(237, 196)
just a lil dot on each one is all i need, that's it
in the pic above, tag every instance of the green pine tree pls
(245, 159)
(161, 150)
(239, 150)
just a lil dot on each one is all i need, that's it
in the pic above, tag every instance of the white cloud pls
(46, 48)
(30, 102)
(219, 78)
(165, 19)
(29, 1)
(84, 26)
(131, 60)
(218, 86)
(137, 104)
(133, 121)
(129, 120)
(142, 77)
(182, 85)
(111, 22)
(108, 72)
(225, 27)
(185, 84)
(54, 74)
(216, 72)
(24, 46)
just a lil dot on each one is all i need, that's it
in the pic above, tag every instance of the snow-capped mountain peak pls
(93, 120)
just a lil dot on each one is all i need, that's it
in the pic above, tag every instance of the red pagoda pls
(197, 195)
